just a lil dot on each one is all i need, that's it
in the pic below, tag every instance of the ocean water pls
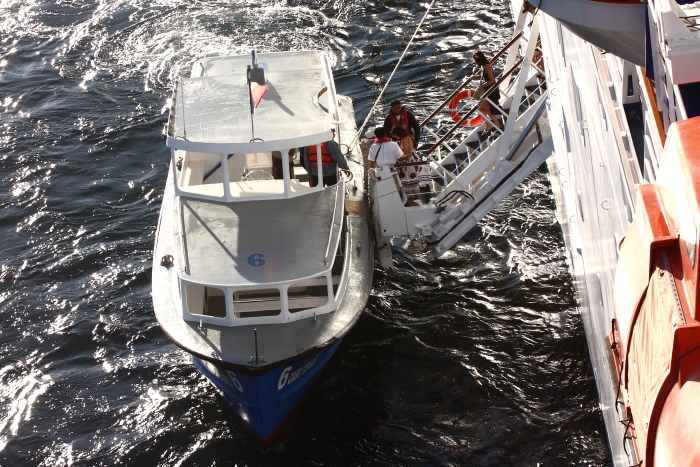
(477, 358)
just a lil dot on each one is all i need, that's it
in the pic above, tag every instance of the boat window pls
(258, 166)
(205, 301)
(308, 294)
(199, 168)
(258, 174)
(256, 302)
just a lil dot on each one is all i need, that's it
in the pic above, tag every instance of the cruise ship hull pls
(594, 209)
(619, 187)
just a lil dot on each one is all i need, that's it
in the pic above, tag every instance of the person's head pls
(537, 58)
(480, 58)
(396, 107)
(399, 132)
(379, 132)
(527, 6)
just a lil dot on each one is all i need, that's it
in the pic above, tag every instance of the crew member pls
(331, 156)
(400, 115)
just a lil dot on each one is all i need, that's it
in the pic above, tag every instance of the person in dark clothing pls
(331, 158)
(400, 115)
(487, 80)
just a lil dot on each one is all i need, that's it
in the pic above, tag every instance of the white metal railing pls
(285, 315)
(228, 190)
(513, 89)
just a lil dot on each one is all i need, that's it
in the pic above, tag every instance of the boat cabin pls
(257, 243)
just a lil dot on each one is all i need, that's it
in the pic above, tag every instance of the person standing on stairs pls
(487, 80)
(400, 115)
(415, 175)
(384, 151)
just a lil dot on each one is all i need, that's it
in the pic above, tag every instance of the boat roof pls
(211, 111)
(225, 241)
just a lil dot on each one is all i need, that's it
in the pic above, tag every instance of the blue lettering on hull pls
(264, 402)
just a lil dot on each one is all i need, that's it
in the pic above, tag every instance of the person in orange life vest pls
(400, 115)
(384, 151)
(330, 158)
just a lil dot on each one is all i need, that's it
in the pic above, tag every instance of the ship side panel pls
(587, 178)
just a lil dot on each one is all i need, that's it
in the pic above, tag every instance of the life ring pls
(454, 107)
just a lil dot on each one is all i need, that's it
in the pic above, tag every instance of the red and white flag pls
(257, 91)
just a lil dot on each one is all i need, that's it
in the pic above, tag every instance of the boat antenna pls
(369, 115)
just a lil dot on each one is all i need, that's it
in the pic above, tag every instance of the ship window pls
(561, 41)
(577, 101)
(602, 109)
(259, 166)
(254, 303)
(205, 301)
(579, 111)
(196, 168)
(566, 134)
(308, 294)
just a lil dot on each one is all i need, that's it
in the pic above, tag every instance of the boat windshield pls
(236, 177)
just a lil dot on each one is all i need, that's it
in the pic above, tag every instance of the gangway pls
(472, 169)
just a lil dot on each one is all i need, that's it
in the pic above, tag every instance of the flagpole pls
(252, 105)
(255, 75)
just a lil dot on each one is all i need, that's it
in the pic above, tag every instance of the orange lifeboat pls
(656, 328)
(453, 108)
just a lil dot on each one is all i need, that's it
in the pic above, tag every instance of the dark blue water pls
(477, 358)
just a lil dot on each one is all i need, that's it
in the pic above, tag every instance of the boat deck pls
(226, 241)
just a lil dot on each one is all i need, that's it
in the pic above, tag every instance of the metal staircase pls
(472, 169)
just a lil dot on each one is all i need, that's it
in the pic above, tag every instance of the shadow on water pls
(476, 358)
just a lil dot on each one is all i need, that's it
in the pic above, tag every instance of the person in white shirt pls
(384, 151)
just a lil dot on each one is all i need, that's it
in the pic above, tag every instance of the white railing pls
(285, 315)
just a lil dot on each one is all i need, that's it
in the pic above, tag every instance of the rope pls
(381, 94)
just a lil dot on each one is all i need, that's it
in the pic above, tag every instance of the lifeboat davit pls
(617, 26)
(655, 338)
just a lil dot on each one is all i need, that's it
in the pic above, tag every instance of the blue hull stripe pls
(264, 402)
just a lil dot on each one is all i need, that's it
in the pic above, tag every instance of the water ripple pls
(452, 362)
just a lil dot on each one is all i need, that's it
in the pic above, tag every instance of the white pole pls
(225, 177)
(285, 172)
(319, 168)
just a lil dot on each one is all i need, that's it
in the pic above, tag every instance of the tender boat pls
(256, 274)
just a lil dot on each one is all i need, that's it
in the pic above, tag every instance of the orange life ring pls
(454, 107)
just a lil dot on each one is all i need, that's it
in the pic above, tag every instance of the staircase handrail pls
(473, 109)
(463, 85)
(526, 132)
(528, 128)
(410, 164)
